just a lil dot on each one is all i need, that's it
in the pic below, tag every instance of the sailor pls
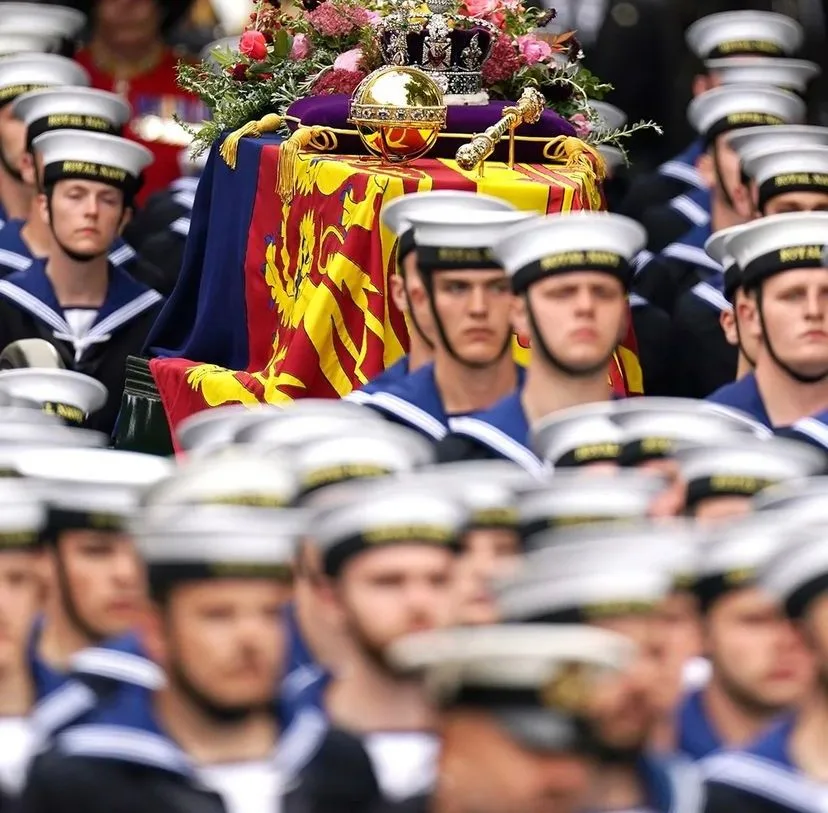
(514, 700)
(22, 518)
(731, 35)
(49, 110)
(758, 672)
(95, 585)
(470, 300)
(714, 114)
(783, 275)
(388, 558)
(55, 24)
(579, 437)
(615, 579)
(18, 75)
(722, 478)
(71, 397)
(784, 770)
(569, 274)
(95, 313)
(190, 724)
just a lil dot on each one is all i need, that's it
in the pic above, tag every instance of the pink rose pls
(349, 61)
(374, 17)
(254, 45)
(533, 50)
(301, 47)
(582, 125)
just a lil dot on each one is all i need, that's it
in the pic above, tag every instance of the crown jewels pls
(450, 47)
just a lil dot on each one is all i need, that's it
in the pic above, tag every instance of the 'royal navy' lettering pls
(91, 170)
(800, 253)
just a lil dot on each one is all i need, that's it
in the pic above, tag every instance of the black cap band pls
(433, 258)
(565, 262)
(740, 121)
(725, 485)
(69, 121)
(732, 282)
(20, 540)
(62, 519)
(89, 171)
(165, 574)
(797, 603)
(640, 451)
(780, 260)
(589, 453)
(10, 93)
(405, 245)
(792, 182)
(746, 47)
(493, 518)
(709, 589)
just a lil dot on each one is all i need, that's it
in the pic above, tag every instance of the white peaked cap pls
(64, 100)
(772, 163)
(464, 229)
(716, 245)
(798, 572)
(212, 428)
(718, 104)
(779, 137)
(437, 205)
(716, 30)
(743, 544)
(46, 20)
(40, 70)
(584, 436)
(94, 148)
(609, 116)
(65, 387)
(789, 74)
(14, 43)
(21, 511)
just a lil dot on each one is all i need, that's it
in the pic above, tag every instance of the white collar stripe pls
(704, 290)
(386, 402)
(814, 429)
(688, 787)
(122, 255)
(301, 741)
(499, 441)
(682, 172)
(68, 703)
(11, 259)
(121, 666)
(125, 313)
(185, 199)
(638, 301)
(32, 304)
(181, 226)
(691, 254)
(691, 210)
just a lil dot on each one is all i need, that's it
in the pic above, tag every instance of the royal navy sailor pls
(783, 274)
(569, 274)
(95, 313)
(470, 301)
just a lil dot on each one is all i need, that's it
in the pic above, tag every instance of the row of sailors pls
(335, 621)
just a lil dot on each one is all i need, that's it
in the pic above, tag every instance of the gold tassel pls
(230, 148)
(289, 156)
(576, 154)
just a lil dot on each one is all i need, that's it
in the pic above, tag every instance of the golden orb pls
(398, 112)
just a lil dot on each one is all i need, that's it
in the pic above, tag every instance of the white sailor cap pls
(609, 117)
(46, 20)
(71, 396)
(219, 541)
(22, 516)
(71, 108)
(798, 572)
(98, 157)
(779, 243)
(734, 107)
(734, 553)
(577, 440)
(716, 246)
(393, 515)
(780, 137)
(536, 680)
(574, 499)
(614, 157)
(91, 488)
(775, 172)
(576, 241)
(594, 572)
(789, 74)
(360, 452)
(807, 496)
(14, 43)
(17, 436)
(461, 239)
(217, 427)
(744, 466)
(24, 72)
(241, 477)
(744, 33)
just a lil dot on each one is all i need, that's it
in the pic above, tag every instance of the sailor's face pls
(581, 316)
(86, 216)
(487, 771)
(474, 308)
(722, 171)
(128, 22)
(795, 310)
(757, 657)
(12, 137)
(721, 509)
(387, 593)
(625, 708)
(20, 597)
(104, 578)
(488, 553)
(797, 202)
(226, 639)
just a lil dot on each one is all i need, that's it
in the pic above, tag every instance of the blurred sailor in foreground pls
(94, 313)
(787, 312)
(786, 769)
(192, 726)
(515, 703)
(570, 275)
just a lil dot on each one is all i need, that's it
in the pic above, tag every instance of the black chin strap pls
(428, 284)
(784, 366)
(551, 359)
(739, 340)
(413, 317)
(68, 602)
(717, 168)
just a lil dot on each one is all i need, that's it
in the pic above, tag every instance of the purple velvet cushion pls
(463, 121)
